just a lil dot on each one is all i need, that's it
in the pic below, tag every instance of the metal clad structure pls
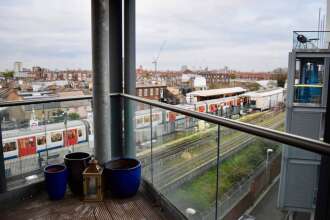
(306, 106)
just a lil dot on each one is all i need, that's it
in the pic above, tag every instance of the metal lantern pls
(93, 186)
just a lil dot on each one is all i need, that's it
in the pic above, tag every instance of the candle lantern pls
(93, 185)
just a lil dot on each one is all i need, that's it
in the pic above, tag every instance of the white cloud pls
(243, 34)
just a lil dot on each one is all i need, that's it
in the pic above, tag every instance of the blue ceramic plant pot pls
(123, 176)
(56, 179)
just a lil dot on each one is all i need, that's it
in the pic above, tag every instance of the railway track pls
(161, 152)
(208, 156)
(181, 166)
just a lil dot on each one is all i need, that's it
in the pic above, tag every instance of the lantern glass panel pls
(92, 187)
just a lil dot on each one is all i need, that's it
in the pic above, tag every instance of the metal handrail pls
(44, 100)
(285, 138)
(309, 31)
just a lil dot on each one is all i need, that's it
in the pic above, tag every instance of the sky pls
(246, 35)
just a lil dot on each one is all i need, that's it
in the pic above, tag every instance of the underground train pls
(165, 122)
(28, 141)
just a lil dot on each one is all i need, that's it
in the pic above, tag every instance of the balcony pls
(310, 39)
(195, 165)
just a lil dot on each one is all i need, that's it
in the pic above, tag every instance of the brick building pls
(152, 91)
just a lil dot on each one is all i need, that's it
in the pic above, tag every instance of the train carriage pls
(29, 141)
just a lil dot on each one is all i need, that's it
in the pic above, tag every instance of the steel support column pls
(3, 183)
(116, 76)
(129, 76)
(322, 211)
(101, 101)
(327, 25)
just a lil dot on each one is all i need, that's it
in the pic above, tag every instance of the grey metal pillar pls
(327, 25)
(116, 76)
(101, 100)
(3, 183)
(129, 76)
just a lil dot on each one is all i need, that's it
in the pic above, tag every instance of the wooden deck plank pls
(132, 211)
(40, 207)
(115, 210)
(147, 210)
(101, 212)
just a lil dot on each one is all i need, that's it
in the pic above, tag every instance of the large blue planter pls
(56, 180)
(123, 176)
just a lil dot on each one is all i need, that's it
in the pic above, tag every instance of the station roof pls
(264, 93)
(215, 92)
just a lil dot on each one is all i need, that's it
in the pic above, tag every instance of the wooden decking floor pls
(137, 207)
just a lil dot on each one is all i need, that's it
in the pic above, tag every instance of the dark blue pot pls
(76, 163)
(123, 176)
(56, 179)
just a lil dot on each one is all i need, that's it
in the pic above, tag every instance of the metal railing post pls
(151, 149)
(218, 175)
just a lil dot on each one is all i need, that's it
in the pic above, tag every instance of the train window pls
(56, 136)
(145, 92)
(146, 119)
(140, 92)
(41, 140)
(155, 117)
(9, 146)
(79, 132)
(151, 91)
(139, 120)
(156, 91)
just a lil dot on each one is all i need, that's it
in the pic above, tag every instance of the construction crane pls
(155, 61)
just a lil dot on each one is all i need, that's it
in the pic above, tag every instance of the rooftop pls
(150, 85)
(213, 92)
(264, 92)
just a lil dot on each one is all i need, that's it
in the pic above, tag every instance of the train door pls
(70, 137)
(26, 146)
(81, 134)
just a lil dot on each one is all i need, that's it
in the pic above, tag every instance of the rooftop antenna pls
(319, 27)
(155, 61)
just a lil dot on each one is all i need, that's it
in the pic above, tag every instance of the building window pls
(140, 92)
(145, 92)
(151, 91)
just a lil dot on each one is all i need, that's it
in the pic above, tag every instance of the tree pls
(280, 75)
(252, 86)
(8, 74)
(74, 116)
(232, 76)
